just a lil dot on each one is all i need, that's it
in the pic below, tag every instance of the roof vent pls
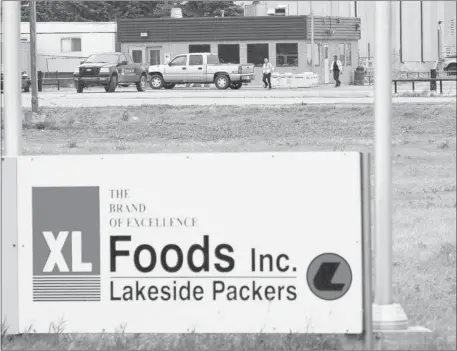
(176, 12)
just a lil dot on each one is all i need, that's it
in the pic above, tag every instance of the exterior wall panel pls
(343, 28)
(211, 29)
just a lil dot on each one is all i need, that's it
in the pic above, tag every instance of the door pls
(126, 70)
(176, 70)
(154, 57)
(195, 69)
(137, 54)
(326, 65)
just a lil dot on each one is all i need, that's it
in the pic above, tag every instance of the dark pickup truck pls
(110, 70)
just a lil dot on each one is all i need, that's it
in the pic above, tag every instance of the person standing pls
(337, 68)
(267, 70)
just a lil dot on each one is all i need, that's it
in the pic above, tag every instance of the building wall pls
(304, 52)
(414, 37)
(95, 38)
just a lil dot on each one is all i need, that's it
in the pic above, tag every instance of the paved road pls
(202, 96)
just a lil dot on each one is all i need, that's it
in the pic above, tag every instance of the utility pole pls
(33, 73)
(312, 34)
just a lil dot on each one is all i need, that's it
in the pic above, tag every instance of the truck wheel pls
(157, 82)
(141, 85)
(169, 86)
(106, 88)
(222, 82)
(112, 84)
(79, 88)
(236, 85)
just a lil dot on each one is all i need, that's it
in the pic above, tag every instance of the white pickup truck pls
(203, 68)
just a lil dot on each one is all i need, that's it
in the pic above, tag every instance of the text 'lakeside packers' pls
(210, 289)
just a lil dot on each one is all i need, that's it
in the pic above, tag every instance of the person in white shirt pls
(267, 70)
(337, 68)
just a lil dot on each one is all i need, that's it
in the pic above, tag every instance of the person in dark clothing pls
(337, 68)
(267, 70)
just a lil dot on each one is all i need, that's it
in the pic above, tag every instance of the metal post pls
(433, 82)
(386, 314)
(312, 35)
(12, 77)
(33, 73)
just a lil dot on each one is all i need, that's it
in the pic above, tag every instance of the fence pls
(57, 79)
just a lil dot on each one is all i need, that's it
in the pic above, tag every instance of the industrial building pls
(285, 40)
(422, 31)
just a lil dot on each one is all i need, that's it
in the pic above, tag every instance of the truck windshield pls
(103, 58)
(213, 60)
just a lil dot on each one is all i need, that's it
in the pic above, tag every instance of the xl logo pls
(66, 244)
(56, 258)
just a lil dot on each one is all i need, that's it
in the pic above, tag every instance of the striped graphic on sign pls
(66, 288)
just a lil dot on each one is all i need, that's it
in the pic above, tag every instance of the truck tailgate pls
(247, 68)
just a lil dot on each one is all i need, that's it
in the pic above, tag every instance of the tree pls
(211, 9)
(108, 11)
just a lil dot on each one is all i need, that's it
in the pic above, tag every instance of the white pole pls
(383, 153)
(386, 314)
(312, 35)
(12, 77)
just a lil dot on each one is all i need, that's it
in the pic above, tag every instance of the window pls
(348, 54)
(129, 59)
(229, 53)
(199, 48)
(154, 57)
(257, 53)
(195, 60)
(179, 61)
(286, 55)
(137, 56)
(123, 58)
(70, 44)
(317, 54)
(212, 60)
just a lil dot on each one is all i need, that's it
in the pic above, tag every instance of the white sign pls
(176, 243)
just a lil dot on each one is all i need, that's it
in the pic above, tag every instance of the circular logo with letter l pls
(329, 276)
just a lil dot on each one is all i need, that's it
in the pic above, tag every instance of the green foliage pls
(107, 11)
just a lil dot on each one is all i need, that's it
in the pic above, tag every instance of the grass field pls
(424, 199)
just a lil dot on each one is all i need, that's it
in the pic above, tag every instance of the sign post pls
(386, 314)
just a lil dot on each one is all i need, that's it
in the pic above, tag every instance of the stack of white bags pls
(289, 80)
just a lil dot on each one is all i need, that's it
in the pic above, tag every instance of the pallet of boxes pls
(297, 80)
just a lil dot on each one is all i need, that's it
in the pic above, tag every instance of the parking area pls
(250, 95)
